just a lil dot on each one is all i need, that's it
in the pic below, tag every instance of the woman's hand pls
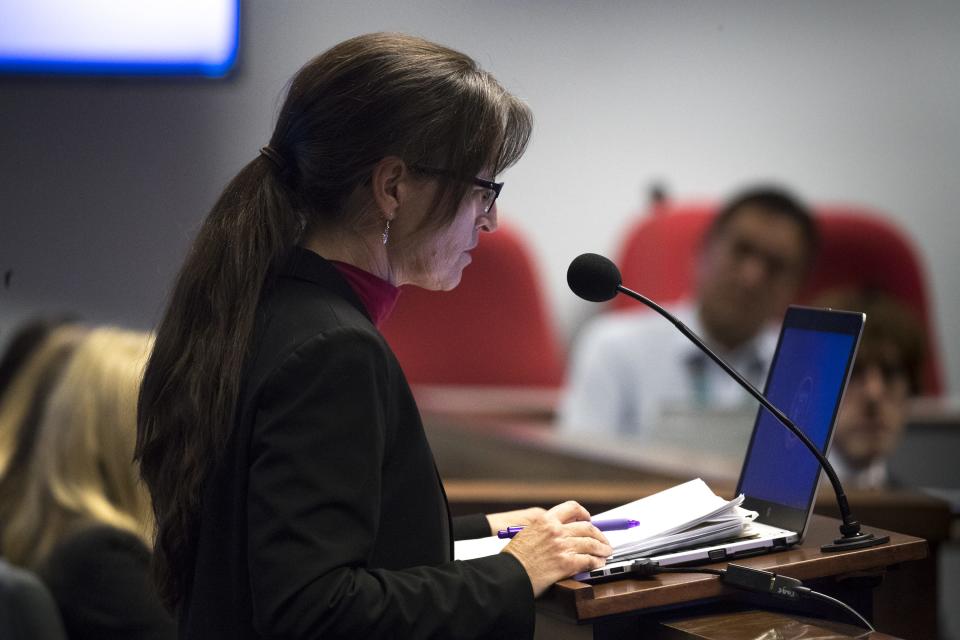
(557, 544)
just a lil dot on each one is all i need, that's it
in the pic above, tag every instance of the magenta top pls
(376, 294)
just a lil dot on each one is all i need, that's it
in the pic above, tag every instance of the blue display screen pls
(119, 37)
(805, 382)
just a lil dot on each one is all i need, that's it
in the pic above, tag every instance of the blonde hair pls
(82, 470)
(24, 398)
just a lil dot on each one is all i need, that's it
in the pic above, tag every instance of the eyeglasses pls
(492, 189)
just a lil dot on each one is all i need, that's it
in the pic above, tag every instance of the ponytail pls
(193, 376)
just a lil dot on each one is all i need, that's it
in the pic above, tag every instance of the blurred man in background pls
(628, 369)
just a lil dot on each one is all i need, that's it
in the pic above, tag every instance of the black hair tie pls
(273, 156)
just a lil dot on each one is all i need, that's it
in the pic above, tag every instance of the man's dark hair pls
(773, 200)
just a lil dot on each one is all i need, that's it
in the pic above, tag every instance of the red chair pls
(493, 329)
(656, 258)
(858, 248)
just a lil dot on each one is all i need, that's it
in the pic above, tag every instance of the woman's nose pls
(874, 383)
(488, 221)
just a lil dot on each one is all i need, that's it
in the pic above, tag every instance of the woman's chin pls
(451, 282)
(448, 279)
(445, 282)
(452, 278)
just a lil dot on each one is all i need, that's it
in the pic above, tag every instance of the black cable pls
(750, 579)
(647, 567)
(816, 595)
(716, 572)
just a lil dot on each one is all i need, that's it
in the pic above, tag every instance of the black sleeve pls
(100, 580)
(472, 526)
(319, 441)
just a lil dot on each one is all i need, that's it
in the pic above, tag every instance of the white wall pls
(104, 181)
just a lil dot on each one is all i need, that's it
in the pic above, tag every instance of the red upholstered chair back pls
(657, 256)
(859, 249)
(493, 329)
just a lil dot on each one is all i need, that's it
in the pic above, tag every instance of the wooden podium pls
(870, 580)
(496, 451)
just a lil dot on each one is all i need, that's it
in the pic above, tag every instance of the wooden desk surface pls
(540, 403)
(532, 403)
(579, 602)
(520, 449)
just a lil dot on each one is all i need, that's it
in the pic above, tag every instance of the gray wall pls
(105, 181)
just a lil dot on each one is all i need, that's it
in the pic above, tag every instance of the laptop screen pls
(806, 382)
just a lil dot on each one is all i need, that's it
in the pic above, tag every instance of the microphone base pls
(857, 541)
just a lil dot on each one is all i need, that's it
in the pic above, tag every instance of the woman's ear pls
(386, 183)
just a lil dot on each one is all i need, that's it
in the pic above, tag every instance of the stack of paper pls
(684, 516)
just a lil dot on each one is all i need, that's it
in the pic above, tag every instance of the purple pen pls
(615, 524)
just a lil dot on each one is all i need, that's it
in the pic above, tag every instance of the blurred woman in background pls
(27, 389)
(26, 338)
(33, 362)
(82, 519)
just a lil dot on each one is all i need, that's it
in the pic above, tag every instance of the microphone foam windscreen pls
(593, 277)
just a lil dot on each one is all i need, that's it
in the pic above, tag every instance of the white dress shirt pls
(629, 368)
(873, 476)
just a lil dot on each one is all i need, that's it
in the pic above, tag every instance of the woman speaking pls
(294, 490)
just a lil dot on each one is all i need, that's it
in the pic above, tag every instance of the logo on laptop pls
(799, 410)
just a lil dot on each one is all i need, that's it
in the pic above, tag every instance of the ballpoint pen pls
(615, 524)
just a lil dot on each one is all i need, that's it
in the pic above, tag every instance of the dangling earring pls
(386, 232)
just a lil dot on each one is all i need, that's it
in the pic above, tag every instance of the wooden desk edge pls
(580, 602)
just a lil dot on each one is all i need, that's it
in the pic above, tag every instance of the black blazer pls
(325, 517)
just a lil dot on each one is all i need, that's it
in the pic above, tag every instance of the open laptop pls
(779, 478)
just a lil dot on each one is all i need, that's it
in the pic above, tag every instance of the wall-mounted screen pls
(119, 37)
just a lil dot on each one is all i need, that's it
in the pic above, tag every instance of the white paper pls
(478, 548)
(662, 516)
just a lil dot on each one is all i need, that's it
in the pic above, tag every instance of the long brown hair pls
(367, 98)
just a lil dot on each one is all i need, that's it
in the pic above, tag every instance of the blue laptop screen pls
(805, 382)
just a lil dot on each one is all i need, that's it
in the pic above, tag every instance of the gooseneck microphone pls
(595, 278)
